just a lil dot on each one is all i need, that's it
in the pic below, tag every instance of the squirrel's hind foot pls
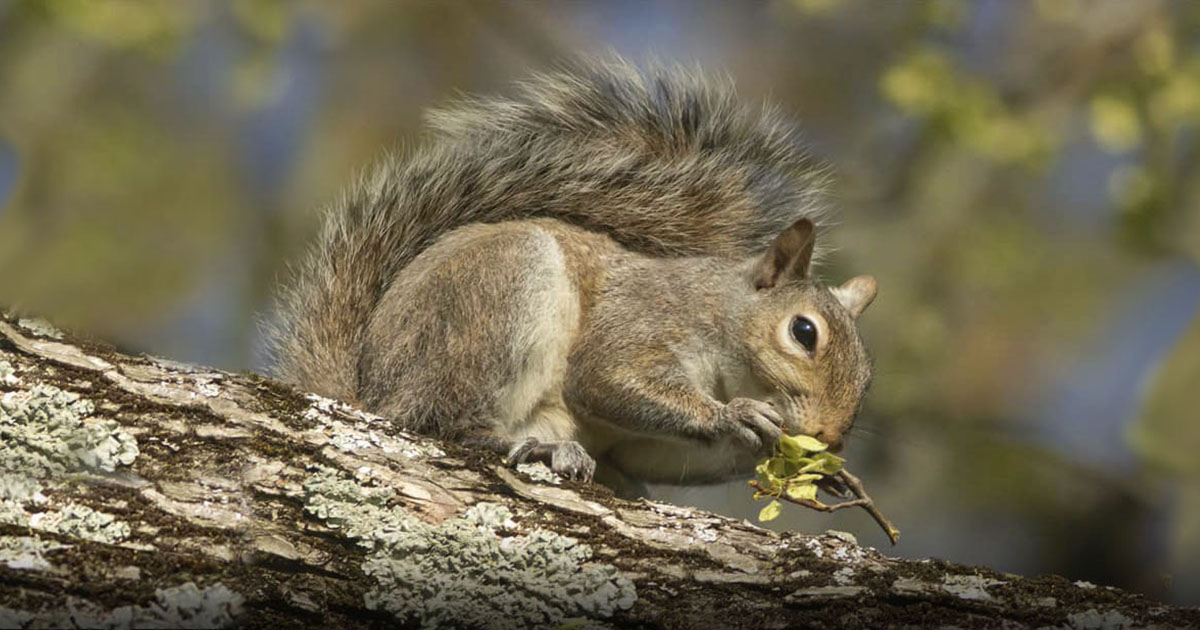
(566, 458)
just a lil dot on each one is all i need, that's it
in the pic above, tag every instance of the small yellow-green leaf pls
(830, 463)
(802, 491)
(762, 474)
(782, 467)
(802, 463)
(824, 463)
(775, 466)
(787, 447)
(803, 443)
(770, 512)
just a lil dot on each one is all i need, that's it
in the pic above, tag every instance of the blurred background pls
(1021, 177)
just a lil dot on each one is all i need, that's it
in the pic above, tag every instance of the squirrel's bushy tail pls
(667, 162)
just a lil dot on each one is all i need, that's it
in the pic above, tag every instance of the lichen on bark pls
(477, 570)
(46, 433)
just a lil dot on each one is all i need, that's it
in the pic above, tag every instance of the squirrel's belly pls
(680, 463)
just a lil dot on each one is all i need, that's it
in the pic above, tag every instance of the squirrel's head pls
(803, 344)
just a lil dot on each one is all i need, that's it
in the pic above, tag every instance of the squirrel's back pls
(665, 161)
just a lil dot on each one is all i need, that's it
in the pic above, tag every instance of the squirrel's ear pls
(856, 294)
(788, 256)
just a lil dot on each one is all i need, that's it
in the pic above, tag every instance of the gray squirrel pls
(611, 268)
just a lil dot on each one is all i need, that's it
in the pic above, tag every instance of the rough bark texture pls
(139, 492)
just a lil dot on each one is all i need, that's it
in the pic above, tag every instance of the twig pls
(864, 501)
(856, 487)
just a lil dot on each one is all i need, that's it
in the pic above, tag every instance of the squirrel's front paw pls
(567, 458)
(752, 422)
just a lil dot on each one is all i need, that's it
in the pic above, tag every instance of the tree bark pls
(138, 492)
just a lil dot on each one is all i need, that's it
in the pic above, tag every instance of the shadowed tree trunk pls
(141, 492)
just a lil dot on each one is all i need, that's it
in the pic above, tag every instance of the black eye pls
(805, 333)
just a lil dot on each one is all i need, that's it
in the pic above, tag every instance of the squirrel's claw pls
(753, 422)
(520, 452)
(566, 458)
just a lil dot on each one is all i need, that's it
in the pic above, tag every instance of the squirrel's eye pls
(805, 333)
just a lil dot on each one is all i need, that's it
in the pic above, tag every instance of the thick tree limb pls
(136, 491)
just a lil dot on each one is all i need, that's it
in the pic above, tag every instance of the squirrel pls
(612, 267)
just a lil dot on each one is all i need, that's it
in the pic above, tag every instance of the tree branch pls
(136, 491)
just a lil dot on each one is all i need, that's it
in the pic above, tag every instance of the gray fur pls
(667, 162)
(601, 269)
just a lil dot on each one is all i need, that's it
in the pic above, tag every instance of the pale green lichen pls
(538, 471)
(15, 492)
(46, 433)
(72, 519)
(39, 326)
(1093, 619)
(8, 374)
(972, 587)
(844, 576)
(464, 572)
(845, 537)
(81, 521)
(10, 618)
(26, 552)
(362, 433)
(184, 606)
(20, 489)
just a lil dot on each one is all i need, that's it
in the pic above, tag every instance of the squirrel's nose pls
(831, 437)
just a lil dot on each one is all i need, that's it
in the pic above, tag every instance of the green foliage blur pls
(1020, 176)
